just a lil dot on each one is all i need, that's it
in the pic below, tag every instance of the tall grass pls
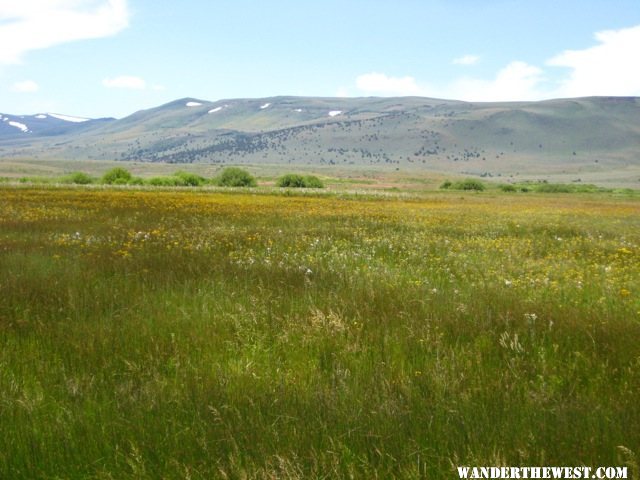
(187, 335)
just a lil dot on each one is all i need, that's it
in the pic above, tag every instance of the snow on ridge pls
(334, 113)
(193, 104)
(68, 118)
(21, 126)
(298, 110)
(214, 110)
(266, 105)
(41, 116)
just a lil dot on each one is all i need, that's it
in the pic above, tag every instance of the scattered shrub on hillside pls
(294, 180)
(235, 177)
(116, 176)
(508, 188)
(446, 184)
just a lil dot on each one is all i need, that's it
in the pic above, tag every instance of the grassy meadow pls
(198, 335)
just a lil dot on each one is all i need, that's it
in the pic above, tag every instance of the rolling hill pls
(571, 136)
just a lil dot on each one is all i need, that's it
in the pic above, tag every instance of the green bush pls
(446, 184)
(165, 182)
(508, 188)
(554, 188)
(190, 179)
(312, 181)
(294, 180)
(291, 180)
(136, 181)
(79, 178)
(116, 176)
(468, 184)
(235, 177)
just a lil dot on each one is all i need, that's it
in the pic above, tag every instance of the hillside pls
(573, 136)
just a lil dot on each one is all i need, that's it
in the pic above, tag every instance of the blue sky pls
(99, 58)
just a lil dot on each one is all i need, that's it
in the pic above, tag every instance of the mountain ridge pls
(478, 138)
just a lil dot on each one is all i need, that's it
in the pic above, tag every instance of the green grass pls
(148, 334)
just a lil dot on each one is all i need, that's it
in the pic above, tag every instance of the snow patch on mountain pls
(193, 104)
(266, 105)
(214, 110)
(19, 125)
(68, 118)
(41, 116)
(335, 113)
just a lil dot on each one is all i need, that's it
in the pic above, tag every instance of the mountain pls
(490, 139)
(22, 127)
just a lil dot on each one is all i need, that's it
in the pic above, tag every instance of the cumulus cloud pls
(26, 86)
(125, 81)
(28, 25)
(466, 60)
(381, 84)
(516, 81)
(609, 68)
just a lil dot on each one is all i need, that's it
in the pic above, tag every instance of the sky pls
(110, 58)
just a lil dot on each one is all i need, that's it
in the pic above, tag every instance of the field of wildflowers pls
(160, 334)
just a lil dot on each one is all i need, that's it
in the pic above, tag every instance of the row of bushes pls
(229, 177)
(293, 180)
(541, 187)
(467, 184)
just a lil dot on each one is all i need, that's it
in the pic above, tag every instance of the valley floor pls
(164, 334)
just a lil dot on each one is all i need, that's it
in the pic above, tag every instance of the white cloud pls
(609, 68)
(26, 86)
(466, 60)
(27, 25)
(381, 84)
(125, 81)
(516, 81)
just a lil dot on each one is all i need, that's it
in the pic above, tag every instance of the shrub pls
(190, 179)
(116, 176)
(79, 178)
(136, 181)
(446, 184)
(508, 188)
(312, 181)
(293, 180)
(165, 181)
(235, 177)
(469, 184)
